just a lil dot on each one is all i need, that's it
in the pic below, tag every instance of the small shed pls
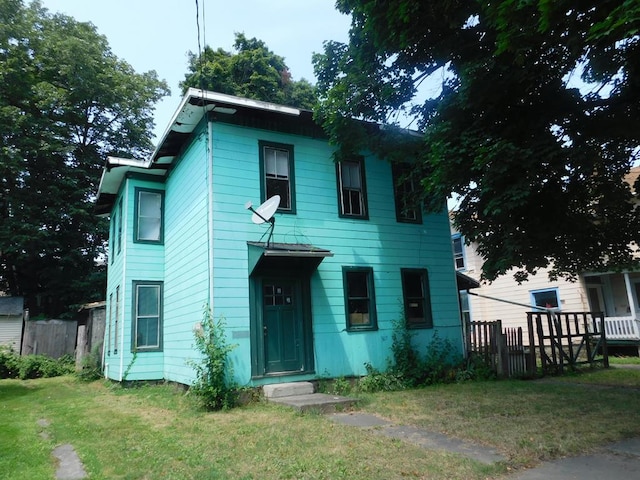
(11, 322)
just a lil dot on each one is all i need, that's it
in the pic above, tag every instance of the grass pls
(156, 432)
(615, 360)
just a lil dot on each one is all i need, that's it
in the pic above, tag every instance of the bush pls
(41, 366)
(376, 381)
(213, 384)
(91, 365)
(9, 362)
(25, 367)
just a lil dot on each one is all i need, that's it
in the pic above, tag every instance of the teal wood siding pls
(380, 242)
(113, 351)
(137, 261)
(186, 269)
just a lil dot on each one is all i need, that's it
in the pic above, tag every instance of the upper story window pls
(276, 173)
(149, 206)
(360, 303)
(417, 298)
(547, 298)
(404, 189)
(119, 227)
(458, 251)
(352, 192)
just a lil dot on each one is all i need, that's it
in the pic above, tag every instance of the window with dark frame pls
(149, 206)
(352, 193)
(109, 324)
(277, 173)
(360, 302)
(119, 226)
(407, 209)
(147, 316)
(115, 323)
(417, 298)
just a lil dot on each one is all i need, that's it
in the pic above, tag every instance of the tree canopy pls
(66, 102)
(253, 71)
(535, 122)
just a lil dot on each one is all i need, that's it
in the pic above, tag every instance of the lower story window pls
(417, 299)
(360, 301)
(147, 316)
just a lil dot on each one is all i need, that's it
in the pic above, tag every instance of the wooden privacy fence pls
(502, 349)
(555, 340)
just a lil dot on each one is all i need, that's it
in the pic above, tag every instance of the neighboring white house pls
(509, 301)
(616, 294)
(11, 320)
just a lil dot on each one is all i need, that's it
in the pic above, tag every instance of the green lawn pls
(156, 432)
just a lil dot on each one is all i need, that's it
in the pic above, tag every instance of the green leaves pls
(253, 72)
(536, 156)
(66, 102)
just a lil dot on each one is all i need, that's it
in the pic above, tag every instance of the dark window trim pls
(427, 321)
(373, 318)
(292, 177)
(363, 179)
(134, 315)
(398, 170)
(137, 192)
(119, 226)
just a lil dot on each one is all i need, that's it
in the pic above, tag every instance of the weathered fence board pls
(54, 338)
(557, 339)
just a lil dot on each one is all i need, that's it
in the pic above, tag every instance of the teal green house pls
(311, 292)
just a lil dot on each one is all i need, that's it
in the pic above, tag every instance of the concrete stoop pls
(302, 397)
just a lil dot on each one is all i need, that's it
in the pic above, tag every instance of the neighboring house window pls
(149, 219)
(115, 323)
(407, 211)
(352, 195)
(147, 316)
(417, 299)
(547, 298)
(276, 172)
(359, 299)
(458, 251)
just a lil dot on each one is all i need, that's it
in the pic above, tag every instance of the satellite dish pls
(265, 212)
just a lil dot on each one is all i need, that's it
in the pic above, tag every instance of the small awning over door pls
(280, 256)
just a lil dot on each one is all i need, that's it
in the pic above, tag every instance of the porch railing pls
(622, 328)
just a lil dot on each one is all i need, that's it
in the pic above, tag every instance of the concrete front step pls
(279, 390)
(317, 402)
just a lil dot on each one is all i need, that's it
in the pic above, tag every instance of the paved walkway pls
(618, 461)
(418, 436)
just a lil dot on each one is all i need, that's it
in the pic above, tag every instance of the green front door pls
(282, 326)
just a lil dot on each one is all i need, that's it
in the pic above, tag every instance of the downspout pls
(124, 276)
(210, 209)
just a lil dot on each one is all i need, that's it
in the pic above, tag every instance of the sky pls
(158, 34)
